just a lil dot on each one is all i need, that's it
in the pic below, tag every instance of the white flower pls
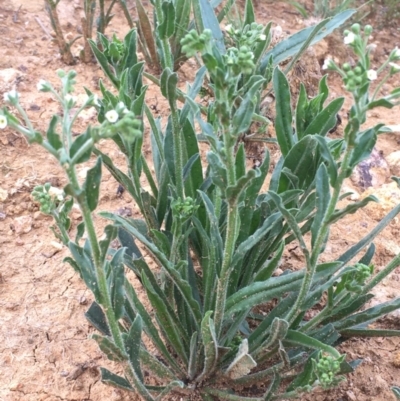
(328, 63)
(11, 97)
(43, 86)
(262, 37)
(112, 116)
(372, 75)
(349, 38)
(96, 100)
(56, 193)
(3, 122)
(69, 98)
(229, 29)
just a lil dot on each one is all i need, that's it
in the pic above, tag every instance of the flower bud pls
(368, 30)
(355, 28)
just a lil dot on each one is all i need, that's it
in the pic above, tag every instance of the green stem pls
(319, 241)
(395, 262)
(102, 280)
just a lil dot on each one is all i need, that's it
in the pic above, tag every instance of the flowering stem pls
(319, 241)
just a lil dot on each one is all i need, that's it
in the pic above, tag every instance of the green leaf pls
(342, 311)
(277, 333)
(76, 146)
(302, 161)
(151, 331)
(396, 392)
(102, 59)
(326, 119)
(301, 112)
(206, 19)
(157, 368)
(351, 208)
(299, 338)
(167, 320)
(306, 377)
(168, 389)
(132, 342)
(266, 272)
(326, 154)
(210, 344)
(283, 121)
(114, 380)
(92, 185)
(369, 333)
(97, 318)
(192, 366)
(261, 292)
(234, 192)
(363, 146)
(367, 316)
(167, 26)
(322, 201)
(355, 249)
(381, 103)
(290, 46)
(249, 16)
(117, 290)
(86, 268)
(52, 136)
(107, 346)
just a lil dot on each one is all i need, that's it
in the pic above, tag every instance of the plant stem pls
(64, 47)
(395, 262)
(319, 241)
(102, 281)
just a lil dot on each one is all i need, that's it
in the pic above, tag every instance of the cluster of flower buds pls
(48, 197)
(249, 36)
(326, 370)
(193, 42)
(357, 279)
(357, 76)
(240, 60)
(183, 209)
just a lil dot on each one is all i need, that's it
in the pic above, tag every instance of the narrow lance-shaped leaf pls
(210, 345)
(322, 201)
(114, 380)
(132, 342)
(249, 16)
(283, 122)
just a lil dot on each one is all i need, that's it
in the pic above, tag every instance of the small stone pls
(22, 224)
(393, 160)
(396, 360)
(351, 396)
(56, 245)
(3, 195)
(19, 242)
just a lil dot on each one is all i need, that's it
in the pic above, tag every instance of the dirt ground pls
(45, 353)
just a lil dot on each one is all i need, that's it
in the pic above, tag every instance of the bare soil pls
(45, 353)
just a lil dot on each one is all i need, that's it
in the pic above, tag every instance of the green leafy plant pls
(323, 8)
(221, 319)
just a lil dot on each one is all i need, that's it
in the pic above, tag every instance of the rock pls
(389, 197)
(393, 160)
(8, 76)
(22, 224)
(371, 172)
